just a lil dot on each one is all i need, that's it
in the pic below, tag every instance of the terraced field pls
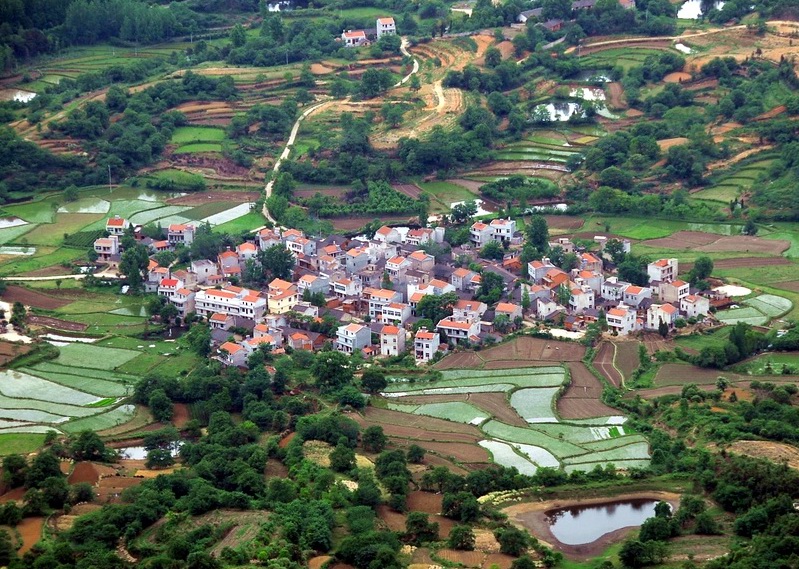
(732, 185)
(538, 436)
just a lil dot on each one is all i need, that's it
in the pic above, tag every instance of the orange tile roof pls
(617, 312)
(419, 255)
(668, 309)
(420, 335)
(662, 263)
(184, 291)
(678, 283)
(228, 255)
(506, 307)
(115, 222)
(218, 317)
(417, 296)
(386, 21)
(246, 247)
(454, 324)
(461, 272)
(354, 328)
(388, 329)
(262, 327)
(230, 347)
(632, 289)
(221, 293)
(479, 226)
(398, 260)
(385, 230)
(169, 282)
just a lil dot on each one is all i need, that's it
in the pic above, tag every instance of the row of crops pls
(530, 393)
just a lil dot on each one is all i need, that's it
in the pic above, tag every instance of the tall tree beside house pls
(525, 299)
(277, 263)
(663, 328)
(134, 265)
(538, 233)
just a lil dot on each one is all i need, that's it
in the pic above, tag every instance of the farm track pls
(603, 363)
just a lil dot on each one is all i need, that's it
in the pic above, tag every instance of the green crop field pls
(199, 147)
(772, 362)
(535, 405)
(92, 385)
(456, 411)
(101, 421)
(187, 134)
(247, 222)
(96, 357)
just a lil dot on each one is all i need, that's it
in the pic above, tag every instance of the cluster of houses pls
(372, 286)
(357, 38)
(554, 25)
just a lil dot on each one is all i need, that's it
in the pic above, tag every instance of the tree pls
(159, 458)
(493, 57)
(461, 506)
(45, 465)
(414, 83)
(706, 525)
(88, 446)
(750, 227)
(81, 492)
(634, 554)
(373, 439)
(277, 263)
(342, 458)
(238, 37)
(15, 469)
(18, 314)
(462, 212)
(332, 371)
(434, 308)
(160, 406)
(419, 529)
(492, 250)
(663, 328)
(198, 340)
(538, 233)
(461, 537)
(416, 454)
(374, 380)
(703, 268)
(491, 287)
(512, 541)
(393, 113)
(133, 265)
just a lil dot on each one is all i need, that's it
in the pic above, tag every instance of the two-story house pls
(351, 338)
(694, 305)
(392, 340)
(480, 233)
(388, 234)
(117, 226)
(663, 270)
(622, 320)
(378, 298)
(385, 26)
(502, 230)
(107, 248)
(345, 287)
(674, 291)
(634, 295)
(282, 296)
(658, 313)
(180, 234)
(461, 278)
(471, 310)
(397, 313)
(459, 330)
(425, 345)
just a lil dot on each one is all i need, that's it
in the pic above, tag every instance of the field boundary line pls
(613, 363)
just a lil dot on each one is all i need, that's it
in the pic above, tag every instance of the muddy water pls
(578, 525)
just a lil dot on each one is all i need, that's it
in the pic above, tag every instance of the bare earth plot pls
(604, 364)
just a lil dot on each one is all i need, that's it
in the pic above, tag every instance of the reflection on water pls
(692, 9)
(579, 525)
(11, 222)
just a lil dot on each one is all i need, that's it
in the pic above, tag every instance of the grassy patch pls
(20, 443)
(114, 417)
(718, 338)
(188, 134)
(65, 223)
(96, 357)
(199, 147)
(43, 258)
(248, 222)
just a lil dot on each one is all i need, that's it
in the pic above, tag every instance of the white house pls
(663, 270)
(353, 38)
(469, 310)
(621, 319)
(380, 297)
(635, 295)
(694, 305)
(392, 341)
(425, 345)
(387, 234)
(502, 230)
(233, 300)
(396, 313)
(180, 233)
(343, 288)
(459, 330)
(581, 299)
(232, 354)
(107, 247)
(512, 311)
(480, 233)
(353, 337)
(116, 225)
(658, 313)
(385, 26)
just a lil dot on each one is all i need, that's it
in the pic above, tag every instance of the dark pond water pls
(579, 525)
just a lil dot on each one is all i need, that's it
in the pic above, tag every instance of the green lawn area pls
(52, 234)
(87, 355)
(247, 222)
(177, 365)
(40, 211)
(188, 134)
(717, 338)
(11, 234)
(20, 443)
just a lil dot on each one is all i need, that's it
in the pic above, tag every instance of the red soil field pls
(32, 298)
(109, 489)
(180, 415)
(356, 223)
(9, 351)
(57, 323)
(683, 239)
(460, 360)
(582, 398)
(564, 222)
(460, 452)
(677, 77)
(627, 360)
(604, 364)
(30, 530)
(424, 502)
(275, 468)
(788, 285)
(418, 424)
(710, 243)
(14, 495)
(743, 262)
(513, 364)
(84, 472)
(411, 190)
(499, 559)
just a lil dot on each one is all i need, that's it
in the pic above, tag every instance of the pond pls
(6, 222)
(692, 9)
(558, 112)
(140, 452)
(578, 525)
(17, 95)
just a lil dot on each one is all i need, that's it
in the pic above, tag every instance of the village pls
(366, 295)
